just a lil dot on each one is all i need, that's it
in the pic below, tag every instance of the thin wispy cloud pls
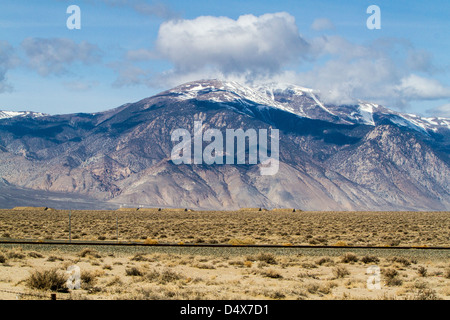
(130, 75)
(8, 60)
(321, 24)
(54, 56)
(440, 111)
(149, 8)
(80, 86)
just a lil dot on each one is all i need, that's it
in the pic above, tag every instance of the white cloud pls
(440, 111)
(342, 81)
(250, 44)
(54, 55)
(420, 88)
(8, 60)
(322, 24)
(381, 72)
(256, 49)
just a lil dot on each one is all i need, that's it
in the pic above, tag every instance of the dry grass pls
(246, 226)
(113, 273)
(146, 275)
(49, 280)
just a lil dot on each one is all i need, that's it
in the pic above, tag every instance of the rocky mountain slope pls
(352, 157)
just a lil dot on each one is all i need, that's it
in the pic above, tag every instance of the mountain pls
(13, 114)
(332, 157)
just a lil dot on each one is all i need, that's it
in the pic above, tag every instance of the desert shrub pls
(88, 252)
(426, 294)
(116, 281)
(134, 272)
(325, 289)
(349, 257)
(447, 273)
(266, 257)
(206, 266)
(272, 274)
(396, 281)
(2, 258)
(312, 288)
(392, 277)
(139, 257)
(390, 273)
(262, 264)
(150, 241)
(33, 254)
(153, 275)
(340, 272)
(170, 276)
(88, 278)
(54, 258)
(422, 271)
(163, 277)
(324, 260)
(341, 244)
(394, 243)
(47, 280)
(16, 254)
(370, 259)
(277, 295)
(241, 242)
(403, 261)
(308, 265)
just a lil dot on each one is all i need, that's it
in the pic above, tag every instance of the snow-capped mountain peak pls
(303, 102)
(13, 114)
(224, 92)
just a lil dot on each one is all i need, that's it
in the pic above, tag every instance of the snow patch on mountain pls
(224, 91)
(13, 114)
(302, 102)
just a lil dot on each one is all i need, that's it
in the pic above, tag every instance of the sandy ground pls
(114, 274)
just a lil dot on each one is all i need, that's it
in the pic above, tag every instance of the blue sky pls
(127, 50)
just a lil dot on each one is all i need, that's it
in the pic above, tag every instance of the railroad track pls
(199, 245)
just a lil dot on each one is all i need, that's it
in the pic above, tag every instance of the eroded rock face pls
(360, 157)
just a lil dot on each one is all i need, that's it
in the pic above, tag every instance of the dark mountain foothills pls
(352, 157)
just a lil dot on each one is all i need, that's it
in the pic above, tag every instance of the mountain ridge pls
(360, 157)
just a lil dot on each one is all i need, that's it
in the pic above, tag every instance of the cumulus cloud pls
(421, 88)
(385, 72)
(257, 49)
(341, 81)
(250, 44)
(54, 55)
(322, 24)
